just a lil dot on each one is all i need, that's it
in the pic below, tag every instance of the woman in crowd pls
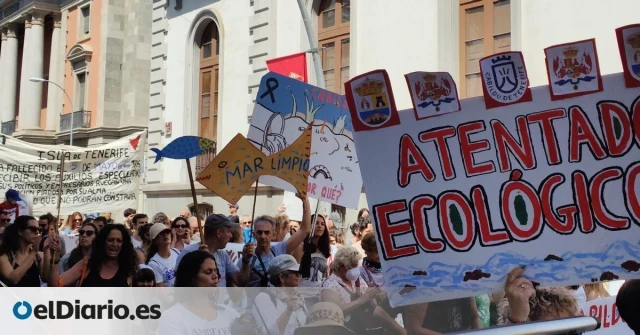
(282, 228)
(346, 289)
(87, 233)
(144, 278)
(237, 236)
(363, 213)
(280, 309)
(160, 217)
(526, 303)
(196, 311)
(112, 262)
(371, 270)
(336, 238)
(180, 229)
(595, 291)
(314, 267)
(74, 221)
(161, 258)
(21, 265)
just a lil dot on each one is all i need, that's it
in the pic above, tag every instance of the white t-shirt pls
(164, 268)
(178, 320)
(266, 315)
(136, 243)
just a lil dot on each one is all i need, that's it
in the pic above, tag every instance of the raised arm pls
(305, 226)
(57, 279)
(12, 275)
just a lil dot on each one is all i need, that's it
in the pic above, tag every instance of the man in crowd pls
(628, 302)
(107, 215)
(233, 213)
(138, 221)
(263, 232)
(217, 233)
(185, 214)
(5, 219)
(10, 204)
(128, 216)
(100, 222)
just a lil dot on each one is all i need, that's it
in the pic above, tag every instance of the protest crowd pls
(308, 278)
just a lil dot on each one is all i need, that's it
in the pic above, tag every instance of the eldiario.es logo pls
(23, 310)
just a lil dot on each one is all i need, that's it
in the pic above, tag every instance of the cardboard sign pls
(573, 69)
(605, 310)
(629, 45)
(240, 164)
(284, 108)
(432, 93)
(98, 179)
(459, 201)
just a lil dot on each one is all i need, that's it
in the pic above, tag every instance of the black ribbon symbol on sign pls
(272, 84)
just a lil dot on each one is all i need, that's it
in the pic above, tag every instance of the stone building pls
(95, 59)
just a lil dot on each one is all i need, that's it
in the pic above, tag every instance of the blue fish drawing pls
(185, 147)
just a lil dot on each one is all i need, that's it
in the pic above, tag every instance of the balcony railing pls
(81, 119)
(9, 127)
(203, 160)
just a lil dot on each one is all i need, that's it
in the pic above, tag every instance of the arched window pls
(209, 73)
(334, 18)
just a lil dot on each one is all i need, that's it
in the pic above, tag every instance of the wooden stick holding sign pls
(53, 257)
(187, 147)
(195, 200)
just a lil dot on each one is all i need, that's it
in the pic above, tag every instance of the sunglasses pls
(178, 226)
(5, 220)
(88, 233)
(77, 220)
(35, 230)
(247, 222)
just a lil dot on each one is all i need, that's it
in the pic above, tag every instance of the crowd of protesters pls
(308, 279)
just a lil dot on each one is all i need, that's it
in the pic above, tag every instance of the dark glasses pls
(5, 220)
(35, 230)
(78, 220)
(88, 233)
(178, 226)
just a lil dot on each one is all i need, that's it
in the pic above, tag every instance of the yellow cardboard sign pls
(239, 165)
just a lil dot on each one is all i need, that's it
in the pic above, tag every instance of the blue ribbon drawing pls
(435, 103)
(574, 82)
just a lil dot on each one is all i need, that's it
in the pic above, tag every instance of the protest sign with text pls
(605, 310)
(460, 200)
(98, 179)
(284, 108)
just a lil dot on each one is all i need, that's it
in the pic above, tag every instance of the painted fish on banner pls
(460, 201)
(283, 110)
(99, 179)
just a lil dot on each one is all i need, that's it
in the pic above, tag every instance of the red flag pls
(292, 66)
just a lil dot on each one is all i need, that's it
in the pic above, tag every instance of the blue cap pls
(13, 194)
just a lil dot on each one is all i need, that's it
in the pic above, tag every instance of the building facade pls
(208, 58)
(93, 61)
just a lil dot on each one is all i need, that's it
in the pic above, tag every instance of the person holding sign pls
(112, 262)
(264, 232)
(21, 265)
(218, 231)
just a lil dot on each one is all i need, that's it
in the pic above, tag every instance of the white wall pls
(233, 21)
(400, 39)
(550, 22)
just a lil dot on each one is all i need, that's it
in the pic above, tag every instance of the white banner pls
(461, 200)
(100, 179)
(605, 310)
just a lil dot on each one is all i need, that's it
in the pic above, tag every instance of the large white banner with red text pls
(460, 200)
